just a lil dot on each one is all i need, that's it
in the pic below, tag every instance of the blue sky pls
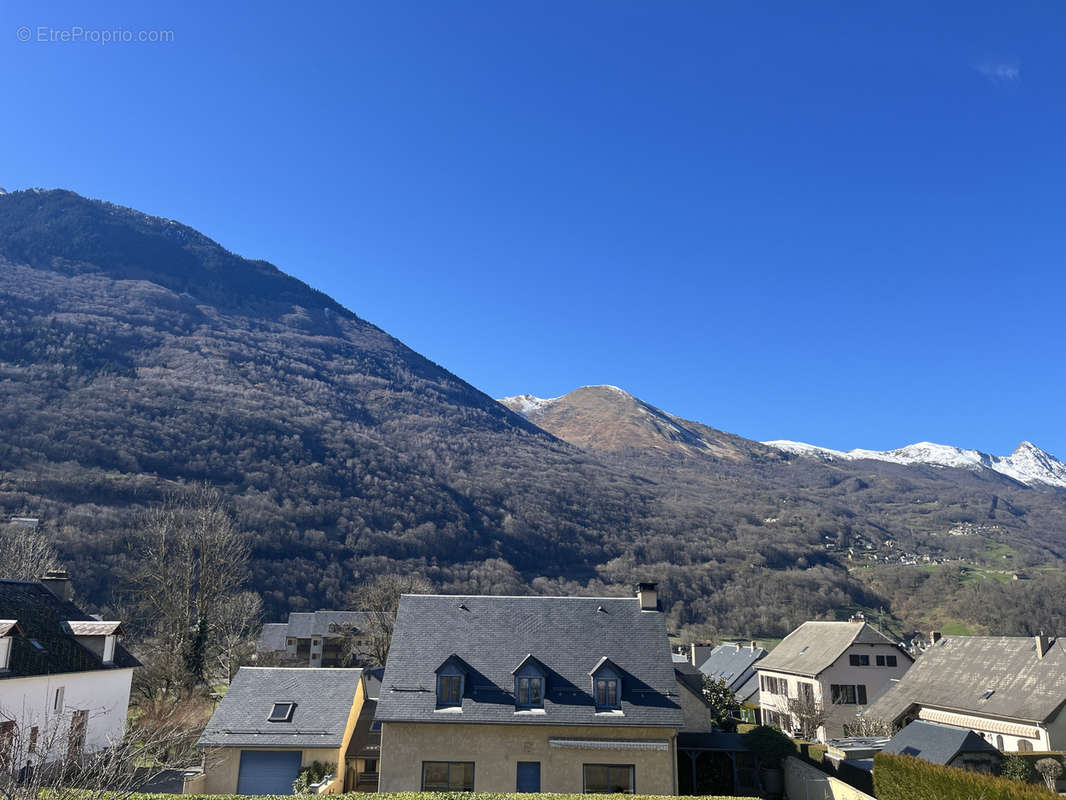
(794, 220)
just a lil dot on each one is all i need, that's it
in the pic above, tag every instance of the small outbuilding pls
(946, 745)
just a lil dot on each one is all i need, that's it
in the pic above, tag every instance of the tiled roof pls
(302, 625)
(814, 646)
(732, 663)
(492, 635)
(936, 743)
(956, 673)
(323, 699)
(47, 647)
(92, 628)
(272, 637)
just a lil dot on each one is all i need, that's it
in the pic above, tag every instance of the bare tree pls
(233, 631)
(25, 553)
(869, 726)
(191, 560)
(51, 761)
(1050, 770)
(380, 598)
(809, 715)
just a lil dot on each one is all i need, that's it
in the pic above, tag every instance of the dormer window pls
(5, 653)
(451, 679)
(606, 685)
(529, 683)
(281, 712)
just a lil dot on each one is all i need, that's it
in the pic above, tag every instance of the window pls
(1025, 746)
(608, 778)
(848, 694)
(449, 691)
(375, 725)
(529, 692)
(606, 693)
(57, 703)
(859, 661)
(775, 685)
(370, 765)
(447, 776)
(999, 743)
(79, 723)
(32, 746)
(806, 691)
(281, 712)
(886, 661)
(5, 653)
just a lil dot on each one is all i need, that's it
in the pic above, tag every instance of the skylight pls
(282, 712)
(988, 693)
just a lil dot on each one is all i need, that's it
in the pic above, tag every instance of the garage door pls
(268, 771)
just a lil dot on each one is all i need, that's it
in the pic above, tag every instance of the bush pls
(1016, 768)
(311, 775)
(769, 744)
(909, 778)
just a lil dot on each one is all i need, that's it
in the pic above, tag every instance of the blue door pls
(268, 771)
(528, 776)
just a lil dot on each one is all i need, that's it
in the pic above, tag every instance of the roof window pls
(282, 712)
(988, 693)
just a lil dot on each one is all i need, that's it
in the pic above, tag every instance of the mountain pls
(609, 419)
(138, 356)
(1028, 464)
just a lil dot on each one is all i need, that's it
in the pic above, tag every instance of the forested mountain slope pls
(137, 355)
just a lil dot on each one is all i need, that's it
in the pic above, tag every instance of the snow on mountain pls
(526, 404)
(1027, 464)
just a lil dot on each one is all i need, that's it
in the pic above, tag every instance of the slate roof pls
(303, 625)
(42, 618)
(272, 637)
(732, 663)
(956, 672)
(492, 635)
(92, 628)
(814, 646)
(936, 743)
(323, 698)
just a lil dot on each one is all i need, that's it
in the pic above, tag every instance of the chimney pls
(648, 596)
(934, 637)
(58, 582)
(754, 646)
(1042, 644)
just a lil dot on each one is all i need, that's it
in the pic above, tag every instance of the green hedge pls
(909, 778)
(429, 796)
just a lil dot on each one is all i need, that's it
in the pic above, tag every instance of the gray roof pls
(92, 628)
(272, 637)
(936, 743)
(42, 643)
(814, 646)
(732, 663)
(493, 635)
(323, 699)
(302, 625)
(955, 673)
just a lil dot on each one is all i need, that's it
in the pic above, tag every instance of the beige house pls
(317, 639)
(827, 672)
(1011, 690)
(531, 694)
(274, 722)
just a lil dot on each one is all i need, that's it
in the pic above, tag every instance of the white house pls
(64, 676)
(1009, 689)
(830, 669)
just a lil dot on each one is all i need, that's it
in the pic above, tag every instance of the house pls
(316, 638)
(274, 721)
(824, 673)
(735, 665)
(946, 745)
(1009, 689)
(694, 704)
(64, 675)
(553, 694)
(364, 751)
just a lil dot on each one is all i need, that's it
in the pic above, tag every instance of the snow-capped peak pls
(526, 404)
(1027, 464)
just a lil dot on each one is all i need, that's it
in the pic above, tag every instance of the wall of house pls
(804, 782)
(697, 715)
(222, 765)
(877, 681)
(30, 702)
(497, 749)
(1004, 735)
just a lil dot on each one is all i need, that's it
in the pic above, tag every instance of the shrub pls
(1016, 768)
(898, 777)
(311, 775)
(769, 744)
